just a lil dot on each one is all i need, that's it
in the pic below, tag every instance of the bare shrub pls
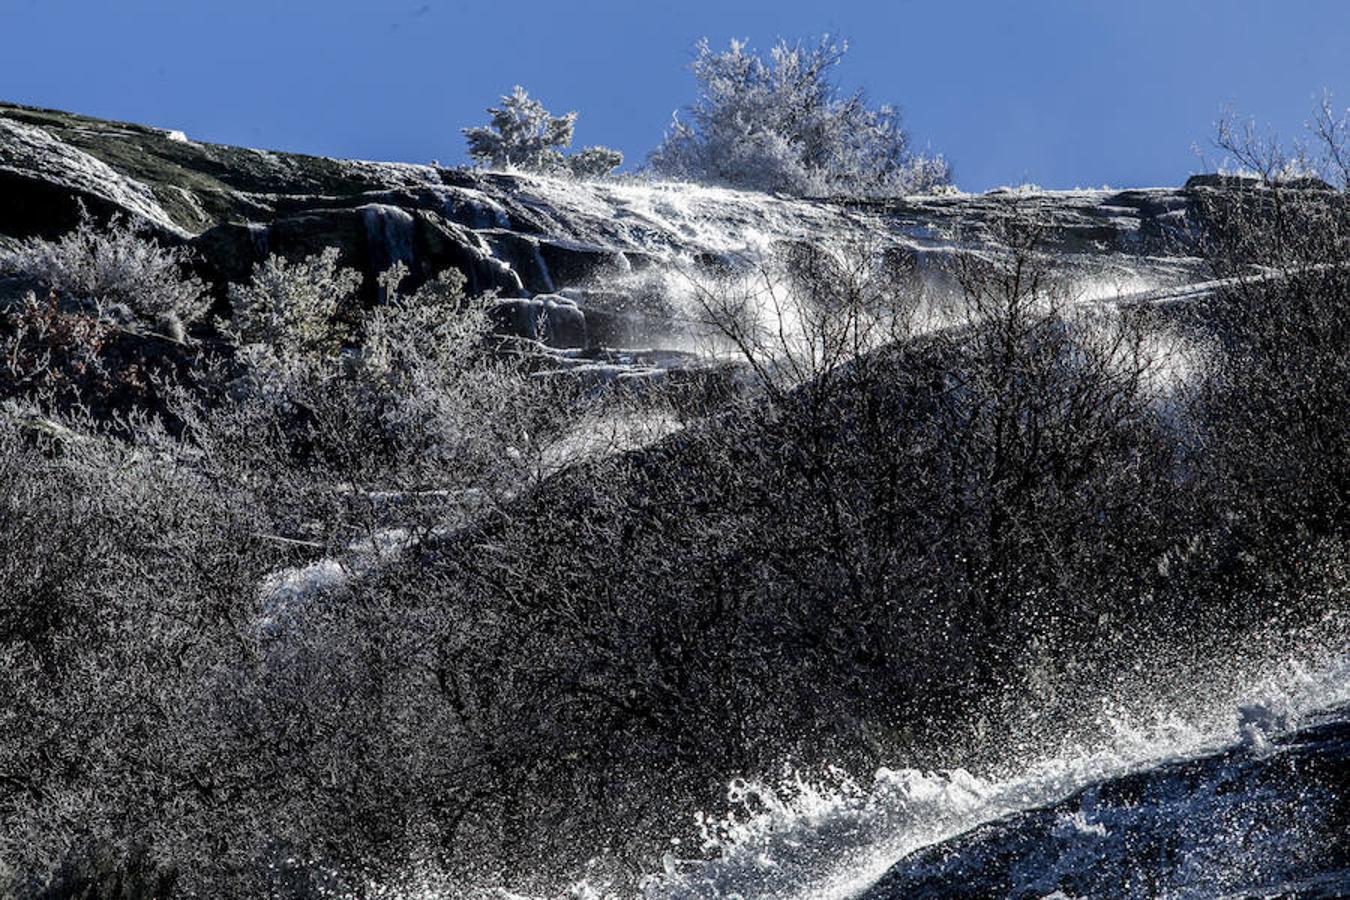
(48, 350)
(1276, 409)
(63, 357)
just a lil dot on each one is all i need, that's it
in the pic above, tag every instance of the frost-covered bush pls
(405, 391)
(782, 125)
(292, 308)
(119, 264)
(105, 324)
(435, 325)
(593, 162)
(524, 135)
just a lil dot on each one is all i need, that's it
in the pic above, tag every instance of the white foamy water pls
(681, 219)
(822, 842)
(825, 835)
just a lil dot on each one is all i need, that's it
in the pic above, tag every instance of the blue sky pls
(1062, 93)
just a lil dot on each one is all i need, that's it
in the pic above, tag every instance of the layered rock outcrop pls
(604, 255)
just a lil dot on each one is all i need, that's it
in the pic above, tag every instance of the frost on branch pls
(292, 308)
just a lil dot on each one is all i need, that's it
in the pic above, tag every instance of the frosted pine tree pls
(524, 135)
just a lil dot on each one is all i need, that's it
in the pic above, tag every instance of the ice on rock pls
(390, 234)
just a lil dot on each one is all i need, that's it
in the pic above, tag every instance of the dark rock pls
(641, 261)
(369, 238)
(1216, 180)
(618, 329)
(474, 209)
(570, 263)
(515, 235)
(228, 252)
(521, 252)
(1283, 833)
(629, 316)
(443, 244)
(550, 318)
(45, 180)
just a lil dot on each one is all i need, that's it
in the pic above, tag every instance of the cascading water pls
(805, 840)
(1155, 783)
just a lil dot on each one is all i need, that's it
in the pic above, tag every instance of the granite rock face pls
(619, 251)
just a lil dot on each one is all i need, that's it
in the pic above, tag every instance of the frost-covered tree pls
(594, 162)
(524, 135)
(782, 125)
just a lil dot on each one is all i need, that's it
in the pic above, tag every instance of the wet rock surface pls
(1266, 819)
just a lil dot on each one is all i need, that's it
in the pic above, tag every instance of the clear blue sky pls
(1063, 93)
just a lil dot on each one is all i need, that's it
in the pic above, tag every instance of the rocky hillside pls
(590, 253)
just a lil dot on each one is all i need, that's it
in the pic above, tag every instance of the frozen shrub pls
(52, 351)
(434, 326)
(291, 308)
(402, 395)
(119, 264)
(782, 125)
(524, 135)
(594, 162)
